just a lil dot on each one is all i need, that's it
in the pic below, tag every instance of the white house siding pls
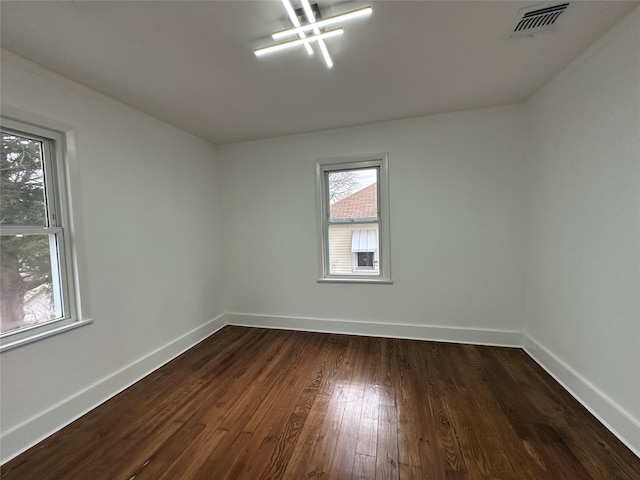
(340, 254)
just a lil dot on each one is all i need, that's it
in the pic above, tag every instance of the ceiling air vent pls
(537, 19)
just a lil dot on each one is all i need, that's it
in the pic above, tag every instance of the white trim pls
(34, 334)
(608, 412)
(23, 436)
(356, 279)
(502, 338)
(612, 416)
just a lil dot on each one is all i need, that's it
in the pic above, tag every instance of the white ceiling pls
(191, 63)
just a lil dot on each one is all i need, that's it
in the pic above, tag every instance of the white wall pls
(467, 264)
(582, 236)
(456, 226)
(147, 210)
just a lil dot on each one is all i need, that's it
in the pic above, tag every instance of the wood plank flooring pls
(272, 404)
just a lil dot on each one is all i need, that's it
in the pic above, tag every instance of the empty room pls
(337, 239)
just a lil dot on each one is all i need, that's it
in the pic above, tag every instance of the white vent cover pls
(537, 19)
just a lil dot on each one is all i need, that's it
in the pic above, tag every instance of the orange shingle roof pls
(361, 204)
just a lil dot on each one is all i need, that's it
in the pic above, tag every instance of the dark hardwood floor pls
(255, 403)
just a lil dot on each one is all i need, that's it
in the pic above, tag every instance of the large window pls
(35, 284)
(353, 200)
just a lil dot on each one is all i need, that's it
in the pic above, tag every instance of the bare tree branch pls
(341, 185)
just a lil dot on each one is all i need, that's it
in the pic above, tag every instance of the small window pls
(354, 219)
(365, 259)
(35, 289)
(364, 245)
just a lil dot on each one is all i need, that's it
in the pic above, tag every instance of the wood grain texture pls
(270, 404)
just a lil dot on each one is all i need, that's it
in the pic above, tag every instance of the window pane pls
(353, 194)
(365, 259)
(29, 292)
(22, 195)
(353, 249)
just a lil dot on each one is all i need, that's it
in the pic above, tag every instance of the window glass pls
(365, 259)
(22, 191)
(28, 293)
(353, 198)
(353, 194)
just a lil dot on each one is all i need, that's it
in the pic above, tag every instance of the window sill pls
(8, 343)
(383, 281)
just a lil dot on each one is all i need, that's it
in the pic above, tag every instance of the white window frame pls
(55, 145)
(323, 168)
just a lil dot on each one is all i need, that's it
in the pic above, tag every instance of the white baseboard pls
(505, 338)
(614, 418)
(25, 435)
(610, 414)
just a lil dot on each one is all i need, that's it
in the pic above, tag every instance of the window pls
(353, 206)
(35, 290)
(364, 260)
(364, 245)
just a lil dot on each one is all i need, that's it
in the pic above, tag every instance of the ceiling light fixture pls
(362, 12)
(296, 23)
(300, 41)
(313, 31)
(311, 18)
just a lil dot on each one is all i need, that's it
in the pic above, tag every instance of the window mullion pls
(358, 221)
(28, 230)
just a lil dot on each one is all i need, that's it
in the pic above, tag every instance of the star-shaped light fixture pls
(313, 32)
